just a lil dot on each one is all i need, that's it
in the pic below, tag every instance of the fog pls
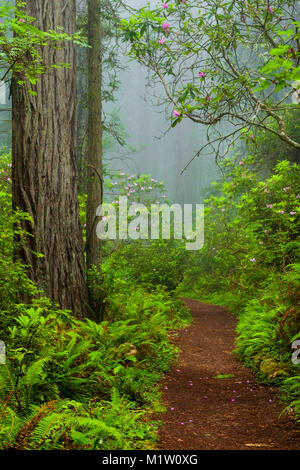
(160, 153)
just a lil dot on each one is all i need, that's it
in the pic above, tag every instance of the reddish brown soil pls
(204, 413)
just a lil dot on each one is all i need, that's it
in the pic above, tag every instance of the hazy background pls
(163, 156)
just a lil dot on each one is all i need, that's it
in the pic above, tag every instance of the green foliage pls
(21, 42)
(150, 263)
(291, 388)
(139, 188)
(70, 384)
(272, 150)
(142, 189)
(68, 424)
(154, 263)
(14, 282)
(233, 62)
(252, 229)
(251, 263)
(80, 384)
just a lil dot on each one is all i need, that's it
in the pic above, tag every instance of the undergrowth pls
(70, 384)
(250, 263)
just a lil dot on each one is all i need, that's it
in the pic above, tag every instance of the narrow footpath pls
(209, 413)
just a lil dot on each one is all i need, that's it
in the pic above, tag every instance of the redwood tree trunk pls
(95, 132)
(44, 167)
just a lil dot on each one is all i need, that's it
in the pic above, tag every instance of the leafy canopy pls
(230, 61)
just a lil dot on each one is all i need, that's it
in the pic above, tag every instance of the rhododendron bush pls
(232, 61)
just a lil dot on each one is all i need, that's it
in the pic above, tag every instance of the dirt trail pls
(208, 413)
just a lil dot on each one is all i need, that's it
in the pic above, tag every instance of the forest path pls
(205, 413)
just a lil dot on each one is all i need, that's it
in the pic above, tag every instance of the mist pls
(159, 150)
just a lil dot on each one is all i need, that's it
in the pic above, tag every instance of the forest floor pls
(207, 413)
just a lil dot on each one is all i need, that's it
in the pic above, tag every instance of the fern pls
(70, 384)
(34, 376)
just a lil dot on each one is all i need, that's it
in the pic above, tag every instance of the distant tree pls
(98, 82)
(95, 132)
(111, 64)
(44, 163)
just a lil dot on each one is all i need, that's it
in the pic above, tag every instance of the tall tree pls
(95, 131)
(44, 168)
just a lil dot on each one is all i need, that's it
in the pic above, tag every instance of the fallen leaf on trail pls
(258, 445)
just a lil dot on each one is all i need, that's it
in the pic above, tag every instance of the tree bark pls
(95, 132)
(44, 166)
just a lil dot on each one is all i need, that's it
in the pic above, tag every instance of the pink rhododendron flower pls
(165, 5)
(292, 213)
(21, 20)
(271, 9)
(162, 41)
(201, 74)
(241, 163)
(253, 260)
(166, 27)
(176, 113)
